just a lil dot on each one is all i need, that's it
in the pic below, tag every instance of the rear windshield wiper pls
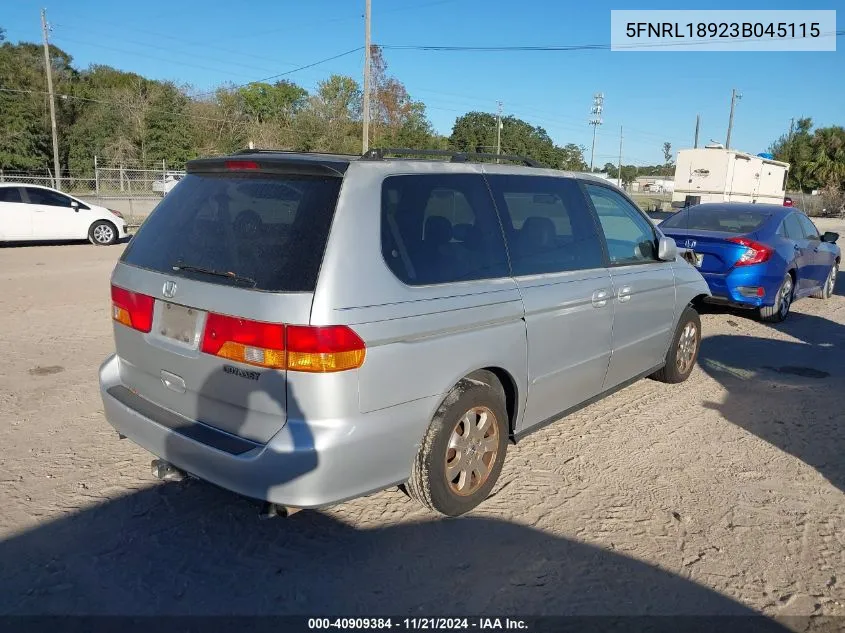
(217, 273)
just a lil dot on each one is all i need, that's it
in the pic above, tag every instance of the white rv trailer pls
(715, 174)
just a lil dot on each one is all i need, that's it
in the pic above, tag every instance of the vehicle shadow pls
(790, 393)
(168, 551)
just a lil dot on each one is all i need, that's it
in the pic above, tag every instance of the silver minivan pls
(307, 328)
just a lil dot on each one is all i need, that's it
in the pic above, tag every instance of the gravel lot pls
(717, 495)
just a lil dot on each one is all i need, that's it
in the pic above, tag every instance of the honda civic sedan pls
(757, 256)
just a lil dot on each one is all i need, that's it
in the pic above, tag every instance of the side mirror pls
(74, 205)
(667, 250)
(830, 237)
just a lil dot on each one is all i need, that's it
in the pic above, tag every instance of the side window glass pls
(549, 226)
(10, 194)
(441, 228)
(49, 198)
(793, 227)
(630, 237)
(810, 230)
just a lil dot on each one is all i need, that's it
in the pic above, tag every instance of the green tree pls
(668, 162)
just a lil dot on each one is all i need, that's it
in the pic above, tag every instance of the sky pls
(653, 96)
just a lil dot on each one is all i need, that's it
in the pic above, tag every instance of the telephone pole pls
(619, 168)
(697, 125)
(48, 67)
(735, 96)
(598, 106)
(499, 130)
(367, 11)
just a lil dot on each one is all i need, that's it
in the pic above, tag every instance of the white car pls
(30, 213)
(164, 186)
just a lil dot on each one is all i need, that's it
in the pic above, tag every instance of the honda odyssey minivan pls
(306, 328)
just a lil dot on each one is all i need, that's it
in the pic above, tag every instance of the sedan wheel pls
(103, 233)
(783, 302)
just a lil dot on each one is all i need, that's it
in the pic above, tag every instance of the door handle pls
(624, 294)
(600, 298)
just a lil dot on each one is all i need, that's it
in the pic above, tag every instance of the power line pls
(288, 72)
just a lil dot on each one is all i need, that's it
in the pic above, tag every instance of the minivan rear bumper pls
(307, 464)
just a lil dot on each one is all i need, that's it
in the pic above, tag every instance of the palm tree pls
(827, 156)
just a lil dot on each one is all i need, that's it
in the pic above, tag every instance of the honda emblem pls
(169, 289)
(687, 244)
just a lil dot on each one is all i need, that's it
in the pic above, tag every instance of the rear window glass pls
(716, 219)
(440, 229)
(266, 232)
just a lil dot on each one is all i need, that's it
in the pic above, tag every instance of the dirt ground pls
(722, 494)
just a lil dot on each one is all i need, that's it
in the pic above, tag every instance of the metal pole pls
(619, 169)
(593, 150)
(697, 125)
(366, 139)
(48, 67)
(734, 97)
(96, 177)
(499, 131)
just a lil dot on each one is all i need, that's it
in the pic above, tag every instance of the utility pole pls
(499, 130)
(619, 168)
(367, 75)
(697, 125)
(48, 67)
(598, 106)
(734, 97)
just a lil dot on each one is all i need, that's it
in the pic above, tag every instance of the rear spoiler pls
(268, 164)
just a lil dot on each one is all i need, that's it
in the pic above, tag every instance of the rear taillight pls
(132, 309)
(117, 213)
(755, 253)
(293, 347)
(324, 349)
(244, 341)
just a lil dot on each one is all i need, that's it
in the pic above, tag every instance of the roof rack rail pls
(288, 151)
(455, 157)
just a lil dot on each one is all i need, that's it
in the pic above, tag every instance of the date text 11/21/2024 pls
(727, 30)
(419, 623)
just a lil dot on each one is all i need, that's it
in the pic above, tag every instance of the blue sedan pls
(760, 256)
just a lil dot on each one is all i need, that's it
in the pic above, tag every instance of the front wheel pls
(683, 352)
(463, 451)
(103, 233)
(778, 312)
(826, 291)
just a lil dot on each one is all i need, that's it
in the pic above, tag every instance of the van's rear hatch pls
(202, 293)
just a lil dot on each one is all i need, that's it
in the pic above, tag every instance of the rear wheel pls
(463, 451)
(102, 233)
(683, 352)
(826, 291)
(783, 302)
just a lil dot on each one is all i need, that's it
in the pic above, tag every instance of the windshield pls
(270, 230)
(724, 220)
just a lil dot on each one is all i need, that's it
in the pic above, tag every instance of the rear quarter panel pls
(420, 340)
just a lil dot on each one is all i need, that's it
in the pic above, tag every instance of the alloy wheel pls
(472, 451)
(103, 234)
(687, 346)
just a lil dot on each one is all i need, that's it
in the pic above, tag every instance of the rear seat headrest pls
(438, 230)
(538, 231)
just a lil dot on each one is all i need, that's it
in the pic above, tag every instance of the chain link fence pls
(133, 189)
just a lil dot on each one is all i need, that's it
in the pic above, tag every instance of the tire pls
(102, 233)
(683, 352)
(778, 312)
(826, 291)
(476, 400)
